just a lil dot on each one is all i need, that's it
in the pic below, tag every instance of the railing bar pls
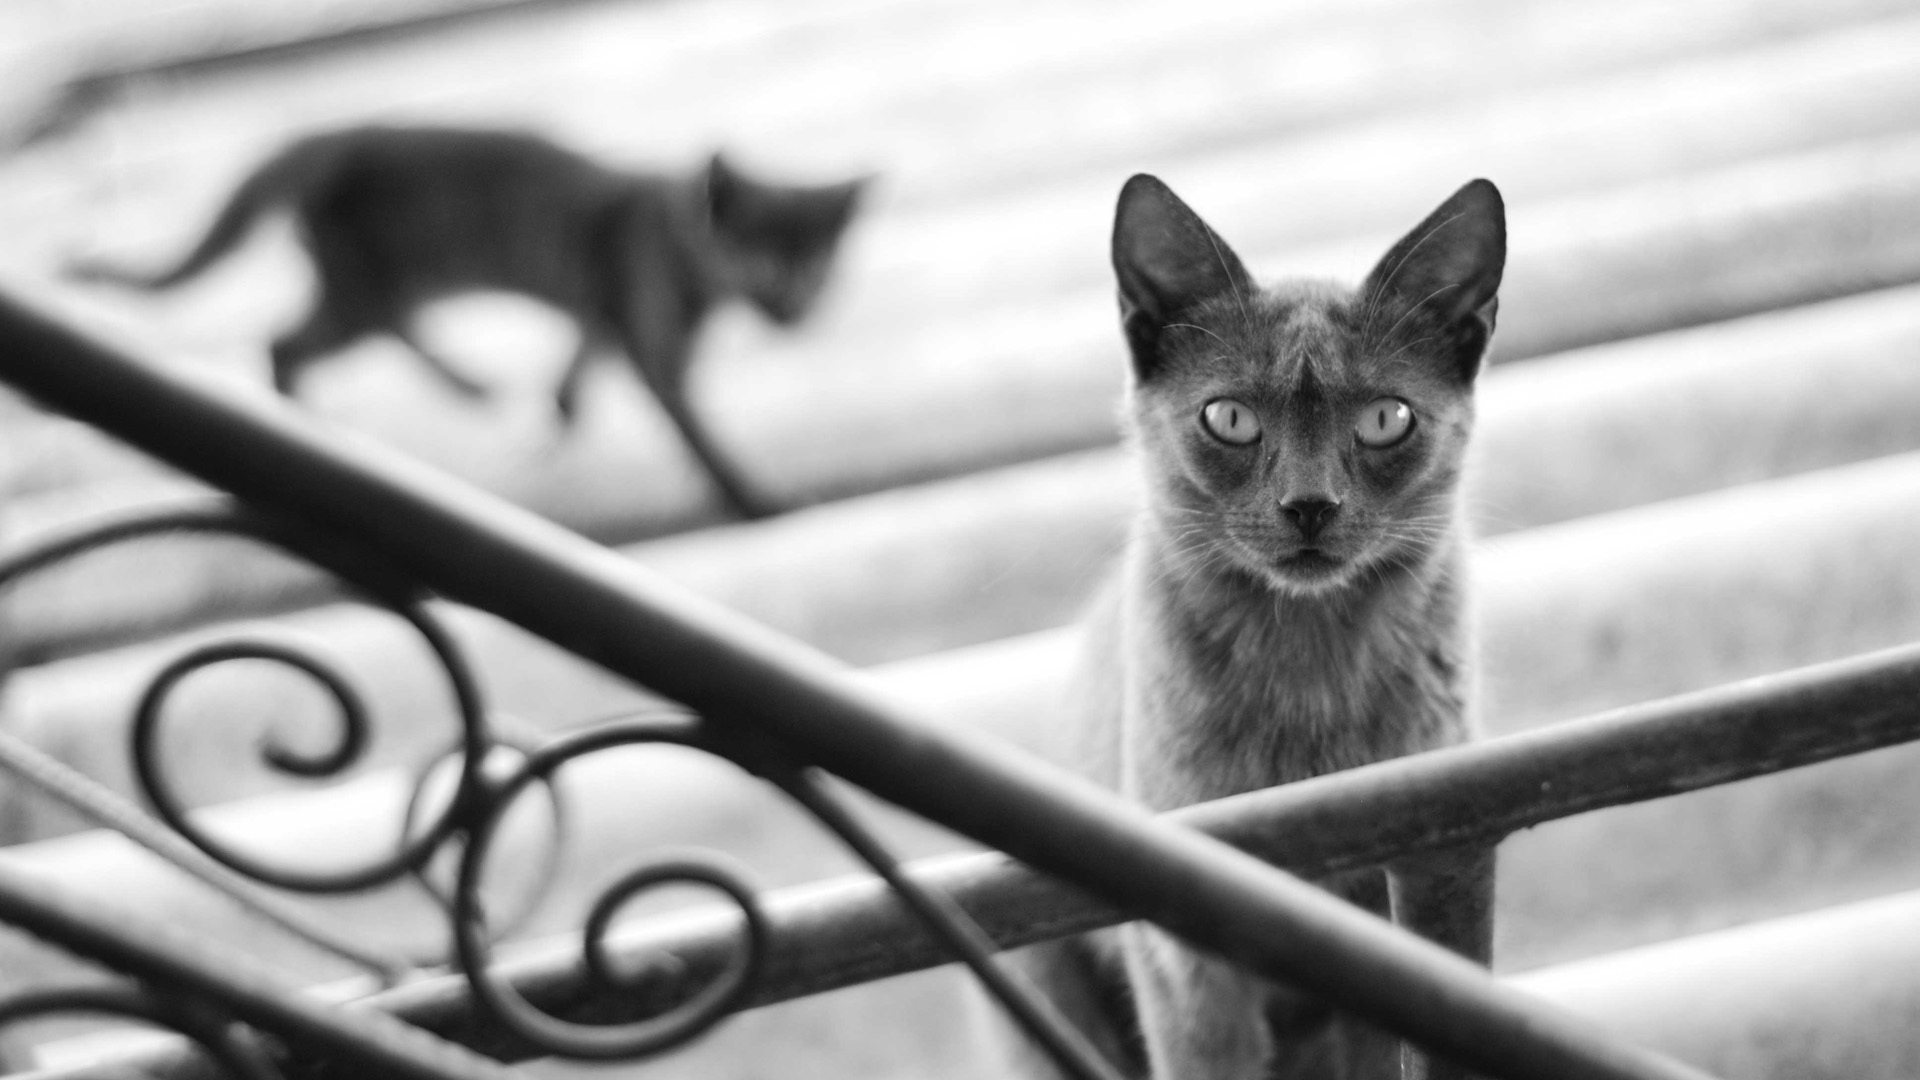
(1685, 743)
(237, 1054)
(103, 806)
(480, 550)
(834, 934)
(365, 1041)
(957, 931)
(831, 935)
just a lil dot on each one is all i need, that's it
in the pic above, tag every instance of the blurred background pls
(1695, 461)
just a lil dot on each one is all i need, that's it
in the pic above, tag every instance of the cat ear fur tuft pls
(1166, 258)
(1450, 264)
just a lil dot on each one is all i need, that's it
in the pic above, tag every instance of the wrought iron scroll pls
(470, 818)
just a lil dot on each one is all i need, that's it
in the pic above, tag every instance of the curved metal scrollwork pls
(680, 1022)
(492, 774)
(416, 846)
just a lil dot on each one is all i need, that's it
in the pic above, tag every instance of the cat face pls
(778, 241)
(1304, 435)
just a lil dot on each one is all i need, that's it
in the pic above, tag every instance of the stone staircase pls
(1698, 457)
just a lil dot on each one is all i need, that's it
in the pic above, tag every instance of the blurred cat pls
(396, 217)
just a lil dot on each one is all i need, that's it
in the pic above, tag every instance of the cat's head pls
(1304, 435)
(776, 242)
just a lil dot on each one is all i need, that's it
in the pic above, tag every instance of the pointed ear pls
(850, 194)
(856, 188)
(723, 187)
(1446, 272)
(1167, 259)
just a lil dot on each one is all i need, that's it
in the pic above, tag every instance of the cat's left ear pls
(847, 195)
(1445, 274)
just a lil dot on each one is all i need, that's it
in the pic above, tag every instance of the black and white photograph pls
(960, 539)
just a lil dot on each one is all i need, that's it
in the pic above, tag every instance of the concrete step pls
(939, 291)
(1824, 994)
(1845, 83)
(1268, 75)
(1776, 95)
(61, 63)
(1862, 406)
(937, 95)
(1282, 192)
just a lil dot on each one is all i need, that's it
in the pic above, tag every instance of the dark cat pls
(394, 218)
(1290, 603)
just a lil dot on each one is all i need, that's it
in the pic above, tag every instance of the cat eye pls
(1230, 421)
(1384, 421)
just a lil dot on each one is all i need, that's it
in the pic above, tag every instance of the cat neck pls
(670, 215)
(1244, 686)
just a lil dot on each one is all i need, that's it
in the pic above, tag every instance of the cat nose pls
(1309, 514)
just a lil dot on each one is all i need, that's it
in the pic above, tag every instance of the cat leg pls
(738, 494)
(1447, 898)
(659, 355)
(566, 394)
(1314, 1041)
(1203, 1018)
(1083, 979)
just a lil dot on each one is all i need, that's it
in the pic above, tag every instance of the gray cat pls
(1289, 603)
(395, 217)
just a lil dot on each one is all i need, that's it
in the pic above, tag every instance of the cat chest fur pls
(1229, 686)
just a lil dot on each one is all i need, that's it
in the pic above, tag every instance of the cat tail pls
(277, 181)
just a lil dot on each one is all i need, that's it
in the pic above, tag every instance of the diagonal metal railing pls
(831, 935)
(836, 934)
(769, 698)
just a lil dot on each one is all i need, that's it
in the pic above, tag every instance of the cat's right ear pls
(1167, 260)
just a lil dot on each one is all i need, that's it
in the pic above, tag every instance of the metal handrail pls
(161, 957)
(832, 935)
(756, 685)
(835, 934)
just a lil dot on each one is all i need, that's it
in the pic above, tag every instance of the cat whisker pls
(1233, 282)
(1202, 329)
(1394, 356)
(1409, 313)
